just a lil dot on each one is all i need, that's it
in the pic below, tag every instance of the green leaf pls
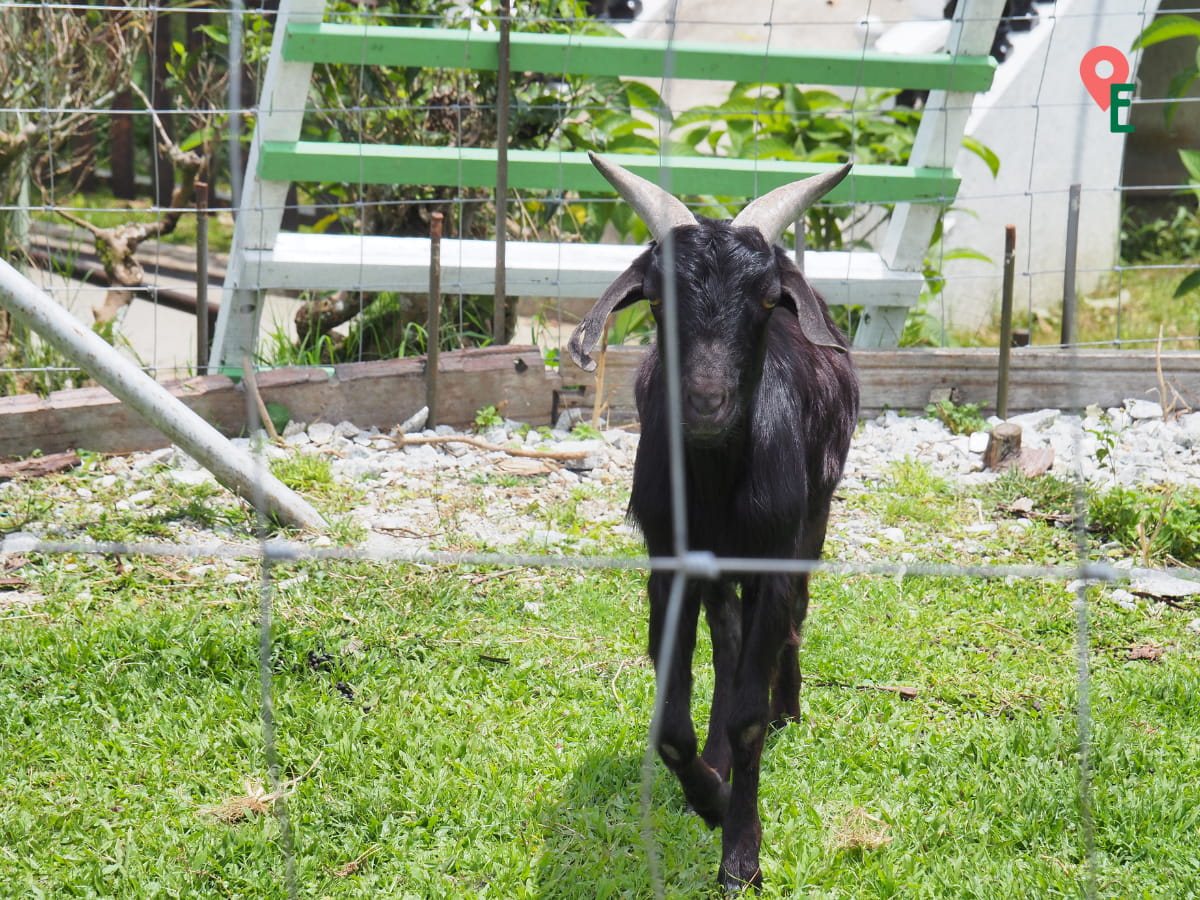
(1189, 284)
(321, 226)
(217, 35)
(643, 96)
(966, 253)
(279, 415)
(1191, 162)
(1181, 82)
(1167, 28)
(822, 99)
(195, 139)
(632, 143)
(769, 148)
(614, 124)
(989, 157)
(697, 114)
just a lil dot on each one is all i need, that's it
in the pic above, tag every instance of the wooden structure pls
(263, 257)
(514, 379)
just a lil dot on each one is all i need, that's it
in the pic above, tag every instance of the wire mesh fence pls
(184, 118)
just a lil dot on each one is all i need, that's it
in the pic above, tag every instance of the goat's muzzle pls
(709, 410)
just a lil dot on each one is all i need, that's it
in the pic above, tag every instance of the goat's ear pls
(809, 308)
(625, 290)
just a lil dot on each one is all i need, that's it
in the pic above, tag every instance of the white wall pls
(1049, 133)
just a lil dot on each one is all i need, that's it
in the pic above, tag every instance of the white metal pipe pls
(234, 468)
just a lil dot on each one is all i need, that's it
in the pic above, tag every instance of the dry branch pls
(116, 245)
(39, 466)
(402, 439)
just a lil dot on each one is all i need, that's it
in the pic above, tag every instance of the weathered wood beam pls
(515, 380)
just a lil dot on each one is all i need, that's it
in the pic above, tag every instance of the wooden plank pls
(514, 378)
(533, 269)
(905, 380)
(575, 54)
(551, 170)
(383, 393)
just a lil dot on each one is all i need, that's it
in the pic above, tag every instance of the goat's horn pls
(660, 210)
(773, 212)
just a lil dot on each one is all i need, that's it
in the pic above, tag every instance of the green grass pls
(1147, 303)
(454, 732)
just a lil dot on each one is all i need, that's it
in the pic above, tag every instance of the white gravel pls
(452, 496)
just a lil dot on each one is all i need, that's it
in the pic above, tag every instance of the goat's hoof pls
(737, 883)
(707, 794)
(713, 810)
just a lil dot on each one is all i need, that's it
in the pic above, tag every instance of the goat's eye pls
(770, 302)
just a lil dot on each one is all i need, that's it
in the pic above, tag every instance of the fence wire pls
(269, 551)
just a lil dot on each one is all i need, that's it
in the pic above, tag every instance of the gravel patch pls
(456, 496)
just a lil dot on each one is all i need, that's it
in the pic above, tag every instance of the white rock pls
(19, 542)
(1153, 583)
(1036, 421)
(1143, 409)
(320, 433)
(569, 418)
(191, 477)
(978, 442)
(595, 458)
(497, 436)
(1124, 599)
(416, 421)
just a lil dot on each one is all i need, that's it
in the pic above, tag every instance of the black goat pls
(769, 402)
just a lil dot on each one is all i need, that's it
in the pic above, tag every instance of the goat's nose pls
(705, 403)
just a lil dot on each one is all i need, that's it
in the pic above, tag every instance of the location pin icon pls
(1098, 86)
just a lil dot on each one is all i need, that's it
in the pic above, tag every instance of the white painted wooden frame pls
(886, 284)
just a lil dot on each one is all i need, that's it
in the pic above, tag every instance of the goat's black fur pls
(767, 420)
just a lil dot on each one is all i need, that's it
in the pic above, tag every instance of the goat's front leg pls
(702, 786)
(723, 611)
(766, 624)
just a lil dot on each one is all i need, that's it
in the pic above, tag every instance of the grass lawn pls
(453, 732)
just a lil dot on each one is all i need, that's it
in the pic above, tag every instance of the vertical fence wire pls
(263, 524)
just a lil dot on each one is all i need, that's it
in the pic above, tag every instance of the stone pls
(1036, 421)
(1124, 599)
(1143, 409)
(1162, 585)
(569, 418)
(320, 433)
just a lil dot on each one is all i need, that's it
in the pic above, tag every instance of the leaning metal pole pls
(154, 403)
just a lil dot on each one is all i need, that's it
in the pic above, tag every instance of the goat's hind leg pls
(785, 686)
(703, 787)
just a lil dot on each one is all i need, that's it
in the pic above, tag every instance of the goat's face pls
(729, 279)
(727, 284)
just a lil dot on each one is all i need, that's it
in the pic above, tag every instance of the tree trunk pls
(120, 142)
(164, 171)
